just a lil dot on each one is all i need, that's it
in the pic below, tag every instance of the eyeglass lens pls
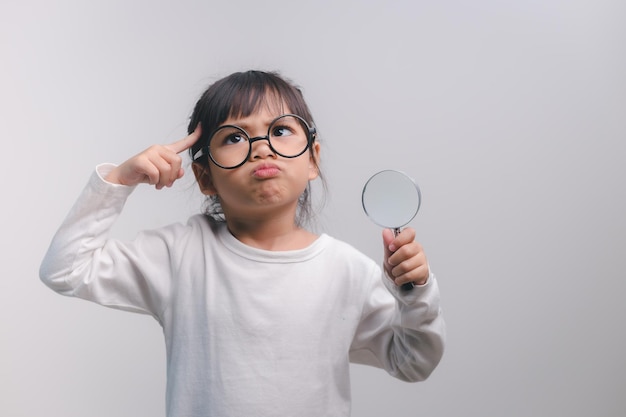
(230, 145)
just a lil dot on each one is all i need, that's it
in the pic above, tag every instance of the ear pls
(203, 176)
(314, 161)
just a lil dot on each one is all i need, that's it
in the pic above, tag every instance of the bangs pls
(249, 101)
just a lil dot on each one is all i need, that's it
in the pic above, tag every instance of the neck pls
(276, 232)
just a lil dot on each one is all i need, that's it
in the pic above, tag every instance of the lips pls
(265, 171)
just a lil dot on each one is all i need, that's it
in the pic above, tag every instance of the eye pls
(228, 136)
(282, 130)
(234, 139)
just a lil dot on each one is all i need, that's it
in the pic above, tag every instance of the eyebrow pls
(246, 125)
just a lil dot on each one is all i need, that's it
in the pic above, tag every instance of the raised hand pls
(159, 165)
(405, 260)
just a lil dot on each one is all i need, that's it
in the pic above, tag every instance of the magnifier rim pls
(395, 171)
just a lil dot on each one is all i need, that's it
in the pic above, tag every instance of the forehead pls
(254, 122)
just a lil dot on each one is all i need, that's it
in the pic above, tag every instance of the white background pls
(511, 115)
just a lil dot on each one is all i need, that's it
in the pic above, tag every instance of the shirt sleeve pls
(82, 261)
(400, 331)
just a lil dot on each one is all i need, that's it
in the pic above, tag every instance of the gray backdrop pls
(511, 116)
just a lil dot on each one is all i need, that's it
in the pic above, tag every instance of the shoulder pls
(344, 253)
(178, 235)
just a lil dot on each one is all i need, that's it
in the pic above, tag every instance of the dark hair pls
(239, 95)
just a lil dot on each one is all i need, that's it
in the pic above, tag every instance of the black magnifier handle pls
(407, 286)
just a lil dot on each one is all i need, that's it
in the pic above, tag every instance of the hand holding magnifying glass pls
(391, 199)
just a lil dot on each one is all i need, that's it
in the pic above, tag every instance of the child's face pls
(265, 181)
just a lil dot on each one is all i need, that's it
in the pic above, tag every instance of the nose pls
(261, 149)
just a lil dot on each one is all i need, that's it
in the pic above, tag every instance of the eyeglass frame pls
(311, 133)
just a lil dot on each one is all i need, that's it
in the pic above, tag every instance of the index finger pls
(186, 142)
(407, 235)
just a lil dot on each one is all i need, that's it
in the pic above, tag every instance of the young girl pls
(261, 317)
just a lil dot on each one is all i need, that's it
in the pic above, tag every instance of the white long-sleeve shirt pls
(248, 332)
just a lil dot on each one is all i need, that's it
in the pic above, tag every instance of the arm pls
(401, 331)
(83, 262)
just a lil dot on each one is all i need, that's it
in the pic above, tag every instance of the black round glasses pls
(230, 146)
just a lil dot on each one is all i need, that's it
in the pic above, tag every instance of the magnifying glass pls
(391, 199)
